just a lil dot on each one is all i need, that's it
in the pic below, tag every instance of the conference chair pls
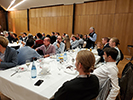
(104, 90)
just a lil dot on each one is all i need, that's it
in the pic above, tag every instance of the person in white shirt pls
(114, 42)
(109, 70)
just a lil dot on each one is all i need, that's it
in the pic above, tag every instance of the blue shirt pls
(61, 48)
(26, 53)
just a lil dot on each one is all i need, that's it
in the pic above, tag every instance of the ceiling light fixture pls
(11, 4)
(17, 5)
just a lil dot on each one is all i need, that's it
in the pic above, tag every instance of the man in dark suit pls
(8, 56)
(105, 42)
(85, 86)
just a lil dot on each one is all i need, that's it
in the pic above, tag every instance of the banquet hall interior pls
(110, 18)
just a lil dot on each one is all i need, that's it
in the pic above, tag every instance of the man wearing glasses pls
(59, 45)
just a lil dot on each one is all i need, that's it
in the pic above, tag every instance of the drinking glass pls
(28, 63)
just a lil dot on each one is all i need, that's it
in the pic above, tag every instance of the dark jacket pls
(79, 89)
(101, 53)
(10, 59)
(126, 83)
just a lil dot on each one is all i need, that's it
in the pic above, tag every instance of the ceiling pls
(27, 4)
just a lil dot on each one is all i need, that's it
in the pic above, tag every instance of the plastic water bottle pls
(65, 56)
(33, 70)
(57, 57)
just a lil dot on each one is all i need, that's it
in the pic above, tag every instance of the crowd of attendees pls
(41, 45)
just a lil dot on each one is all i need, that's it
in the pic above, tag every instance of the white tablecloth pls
(21, 86)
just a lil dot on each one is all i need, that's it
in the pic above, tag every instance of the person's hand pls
(46, 55)
(0, 60)
(88, 36)
(36, 49)
(58, 45)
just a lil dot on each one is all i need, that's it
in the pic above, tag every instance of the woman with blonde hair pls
(85, 86)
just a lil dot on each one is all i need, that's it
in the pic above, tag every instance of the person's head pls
(39, 35)
(14, 35)
(105, 40)
(59, 39)
(46, 41)
(24, 34)
(80, 36)
(73, 37)
(91, 30)
(30, 36)
(85, 36)
(3, 42)
(85, 61)
(77, 35)
(30, 42)
(64, 34)
(67, 42)
(110, 54)
(52, 33)
(113, 42)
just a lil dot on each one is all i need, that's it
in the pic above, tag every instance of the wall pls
(112, 18)
(51, 19)
(3, 19)
(17, 21)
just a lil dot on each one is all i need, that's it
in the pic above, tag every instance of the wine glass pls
(28, 63)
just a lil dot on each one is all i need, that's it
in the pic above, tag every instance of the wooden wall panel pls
(102, 22)
(122, 6)
(106, 7)
(17, 21)
(51, 19)
(131, 6)
(3, 20)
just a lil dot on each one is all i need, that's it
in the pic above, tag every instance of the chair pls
(130, 53)
(126, 82)
(104, 90)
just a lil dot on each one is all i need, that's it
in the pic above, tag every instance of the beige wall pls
(112, 18)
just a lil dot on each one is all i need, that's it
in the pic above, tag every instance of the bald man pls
(47, 48)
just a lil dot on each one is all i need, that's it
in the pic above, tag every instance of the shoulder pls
(9, 49)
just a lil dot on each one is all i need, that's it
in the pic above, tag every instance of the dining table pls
(17, 84)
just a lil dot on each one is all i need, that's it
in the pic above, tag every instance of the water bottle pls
(33, 70)
(57, 57)
(65, 56)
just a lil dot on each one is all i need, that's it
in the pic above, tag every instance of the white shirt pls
(109, 70)
(119, 54)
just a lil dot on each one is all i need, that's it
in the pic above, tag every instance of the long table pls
(21, 86)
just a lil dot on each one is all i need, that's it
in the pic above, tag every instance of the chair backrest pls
(104, 90)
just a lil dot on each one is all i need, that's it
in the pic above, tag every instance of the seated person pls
(8, 56)
(26, 52)
(85, 86)
(105, 42)
(47, 48)
(81, 41)
(59, 45)
(15, 37)
(53, 38)
(114, 42)
(74, 42)
(67, 43)
(109, 70)
(39, 40)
